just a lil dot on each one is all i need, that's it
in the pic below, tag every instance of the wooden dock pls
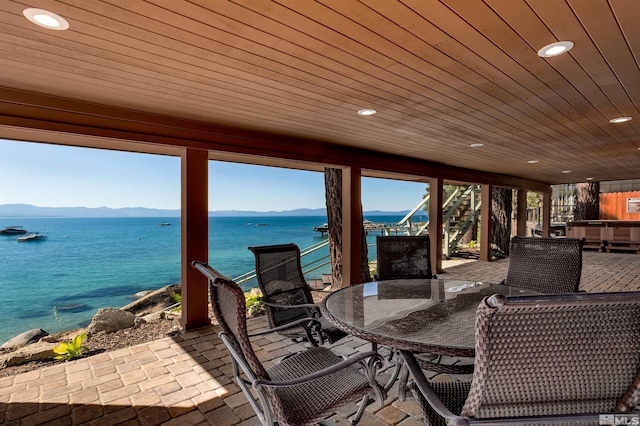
(382, 228)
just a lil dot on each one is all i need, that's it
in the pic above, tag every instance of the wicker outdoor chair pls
(304, 388)
(287, 296)
(546, 265)
(403, 257)
(552, 359)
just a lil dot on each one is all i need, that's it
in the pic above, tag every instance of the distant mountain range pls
(28, 210)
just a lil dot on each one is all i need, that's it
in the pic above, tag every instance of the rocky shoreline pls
(156, 324)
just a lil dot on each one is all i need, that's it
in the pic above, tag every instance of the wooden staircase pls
(460, 212)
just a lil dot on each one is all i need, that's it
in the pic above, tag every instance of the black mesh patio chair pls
(287, 296)
(304, 388)
(403, 257)
(548, 359)
(409, 257)
(546, 265)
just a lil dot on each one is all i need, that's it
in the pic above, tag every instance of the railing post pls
(473, 198)
(447, 237)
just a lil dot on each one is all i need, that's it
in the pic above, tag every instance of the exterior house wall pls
(613, 206)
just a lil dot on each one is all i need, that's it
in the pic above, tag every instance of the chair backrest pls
(229, 308)
(547, 265)
(403, 256)
(556, 354)
(281, 281)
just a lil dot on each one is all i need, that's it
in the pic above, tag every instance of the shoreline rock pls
(37, 344)
(40, 351)
(154, 300)
(28, 337)
(110, 320)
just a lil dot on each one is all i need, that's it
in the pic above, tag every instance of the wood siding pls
(442, 74)
(613, 206)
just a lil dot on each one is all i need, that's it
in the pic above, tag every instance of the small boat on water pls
(164, 224)
(322, 228)
(32, 237)
(13, 230)
(368, 225)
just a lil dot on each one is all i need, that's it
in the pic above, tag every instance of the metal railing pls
(407, 221)
(308, 267)
(451, 234)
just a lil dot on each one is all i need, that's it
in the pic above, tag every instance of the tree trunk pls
(587, 206)
(472, 232)
(470, 235)
(365, 273)
(333, 196)
(501, 210)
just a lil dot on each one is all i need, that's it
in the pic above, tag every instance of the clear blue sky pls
(61, 176)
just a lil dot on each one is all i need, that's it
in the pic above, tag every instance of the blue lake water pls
(86, 264)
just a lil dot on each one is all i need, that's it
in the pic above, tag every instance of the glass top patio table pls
(421, 315)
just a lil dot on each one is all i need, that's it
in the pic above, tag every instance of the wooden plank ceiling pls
(442, 74)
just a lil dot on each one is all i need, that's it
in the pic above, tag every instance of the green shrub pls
(253, 302)
(373, 268)
(71, 350)
(177, 298)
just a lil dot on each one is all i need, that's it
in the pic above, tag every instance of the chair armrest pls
(429, 394)
(208, 271)
(306, 321)
(312, 309)
(374, 358)
(302, 305)
(452, 419)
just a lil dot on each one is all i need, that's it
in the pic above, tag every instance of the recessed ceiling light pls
(46, 19)
(367, 111)
(555, 49)
(620, 119)
(589, 178)
(476, 145)
(532, 161)
(566, 171)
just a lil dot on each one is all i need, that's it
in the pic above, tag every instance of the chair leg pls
(363, 405)
(394, 375)
(403, 379)
(396, 368)
(309, 331)
(392, 352)
(260, 407)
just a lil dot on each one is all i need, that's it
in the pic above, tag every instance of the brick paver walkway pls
(185, 380)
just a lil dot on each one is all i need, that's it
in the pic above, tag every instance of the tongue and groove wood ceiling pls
(442, 75)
